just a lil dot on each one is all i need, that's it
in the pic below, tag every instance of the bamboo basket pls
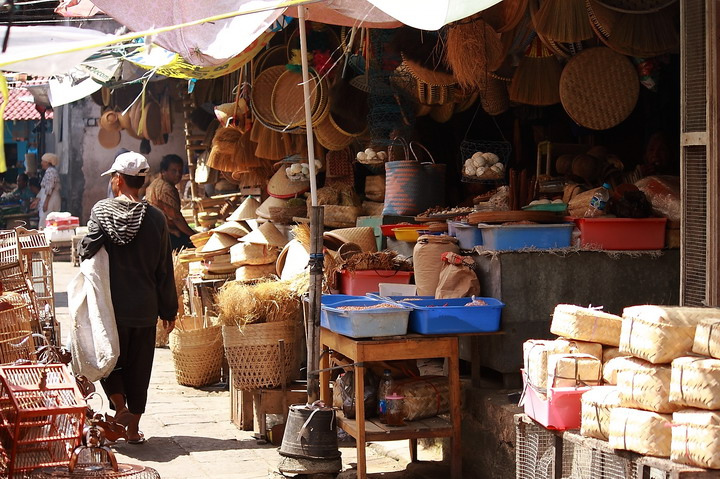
(707, 338)
(696, 438)
(537, 351)
(586, 324)
(696, 382)
(574, 370)
(253, 354)
(197, 352)
(596, 405)
(15, 331)
(615, 365)
(646, 386)
(643, 432)
(611, 353)
(660, 334)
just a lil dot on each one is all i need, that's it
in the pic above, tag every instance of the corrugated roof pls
(19, 110)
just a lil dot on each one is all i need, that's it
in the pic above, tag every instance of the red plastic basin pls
(622, 233)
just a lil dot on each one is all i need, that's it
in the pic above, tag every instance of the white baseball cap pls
(130, 163)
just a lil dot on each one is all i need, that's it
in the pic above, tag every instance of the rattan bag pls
(660, 334)
(197, 352)
(253, 353)
(707, 338)
(646, 386)
(696, 382)
(586, 324)
(643, 432)
(596, 406)
(696, 438)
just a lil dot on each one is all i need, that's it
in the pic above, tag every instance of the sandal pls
(140, 440)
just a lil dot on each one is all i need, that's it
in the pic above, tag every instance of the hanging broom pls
(224, 149)
(563, 21)
(472, 50)
(537, 78)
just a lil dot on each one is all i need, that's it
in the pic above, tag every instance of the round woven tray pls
(330, 136)
(197, 355)
(271, 57)
(253, 353)
(261, 96)
(599, 88)
(287, 99)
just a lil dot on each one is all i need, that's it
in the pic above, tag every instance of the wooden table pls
(389, 349)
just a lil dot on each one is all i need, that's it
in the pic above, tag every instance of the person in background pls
(21, 194)
(164, 195)
(34, 185)
(110, 193)
(142, 284)
(49, 187)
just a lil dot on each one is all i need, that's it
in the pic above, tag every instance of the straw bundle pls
(563, 21)
(302, 234)
(612, 367)
(646, 386)
(586, 324)
(597, 404)
(660, 334)
(696, 382)
(643, 432)
(224, 147)
(473, 49)
(537, 78)
(707, 338)
(573, 370)
(267, 301)
(696, 438)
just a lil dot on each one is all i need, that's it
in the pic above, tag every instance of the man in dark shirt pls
(142, 286)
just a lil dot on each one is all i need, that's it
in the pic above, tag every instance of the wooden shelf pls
(377, 431)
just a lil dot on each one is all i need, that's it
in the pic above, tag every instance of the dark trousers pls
(131, 376)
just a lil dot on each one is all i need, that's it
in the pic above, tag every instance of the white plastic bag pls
(94, 341)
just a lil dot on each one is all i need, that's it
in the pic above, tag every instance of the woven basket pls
(285, 215)
(15, 331)
(696, 438)
(261, 96)
(660, 334)
(596, 406)
(611, 353)
(599, 88)
(197, 355)
(330, 136)
(643, 432)
(612, 367)
(574, 370)
(341, 216)
(696, 382)
(287, 99)
(586, 324)
(535, 354)
(646, 386)
(707, 338)
(253, 354)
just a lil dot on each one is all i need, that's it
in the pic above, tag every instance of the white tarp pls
(431, 14)
(350, 13)
(29, 42)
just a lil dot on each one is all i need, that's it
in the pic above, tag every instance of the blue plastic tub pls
(468, 236)
(332, 300)
(369, 322)
(451, 227)
(446, 316)
(514, 237)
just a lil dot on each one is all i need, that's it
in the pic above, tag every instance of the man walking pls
(142, 286)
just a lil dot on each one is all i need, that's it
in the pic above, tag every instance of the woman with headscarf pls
(49, 187)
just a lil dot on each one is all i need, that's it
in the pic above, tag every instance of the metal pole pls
(316, 231)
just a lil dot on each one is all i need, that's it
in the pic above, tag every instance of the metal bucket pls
(310, 433)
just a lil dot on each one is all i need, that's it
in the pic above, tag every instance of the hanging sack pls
(457, 277)
(427, 261)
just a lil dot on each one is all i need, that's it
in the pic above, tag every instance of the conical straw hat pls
(267, 234)
(232, 228)
(218, 243)
(362, 236)
(263, 210)
(252, 272)
(246, 210)
(280, 186)
(293, 260)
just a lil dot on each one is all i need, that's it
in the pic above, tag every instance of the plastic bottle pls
(384, 389)
(598, 202)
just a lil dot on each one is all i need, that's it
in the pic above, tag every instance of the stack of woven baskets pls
(197, 351)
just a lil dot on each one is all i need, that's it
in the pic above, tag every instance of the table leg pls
(246, 410)
(413, 450)
(360, 418)
(325, 376)
(455, 413)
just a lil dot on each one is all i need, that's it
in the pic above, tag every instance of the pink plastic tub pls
(559, 410)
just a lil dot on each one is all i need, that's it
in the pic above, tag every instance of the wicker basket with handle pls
(197, 352)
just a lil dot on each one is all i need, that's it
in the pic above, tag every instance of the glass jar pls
(394, 410)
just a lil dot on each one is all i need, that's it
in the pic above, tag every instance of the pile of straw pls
(473, 50)
(263, 302)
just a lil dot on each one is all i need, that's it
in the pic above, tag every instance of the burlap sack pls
(375, 188)
(707, 338)
(596, 406)
(640, 431)
(586, 324)
(573, 370)
(646, 386)
(427, 263)
(615, 365)
(696, 438)
(695, 382)
(660, 334)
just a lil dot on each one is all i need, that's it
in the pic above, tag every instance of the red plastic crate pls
(622, 233)
(359, 283)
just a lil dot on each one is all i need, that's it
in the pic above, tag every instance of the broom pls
(488, 53)
(563, 21)
(505, 16)
(224, 149)
(537, 78)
